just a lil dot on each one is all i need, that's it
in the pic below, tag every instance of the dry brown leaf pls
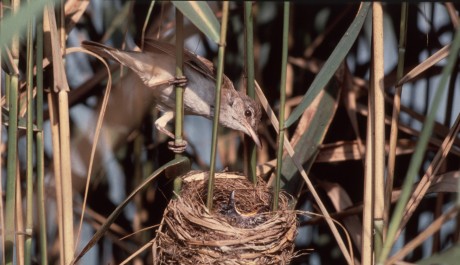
(341, 201)
(266, 168)
(350, 100)
(310, 112)
(424, 235)
(423, 66)
(447, 182)
(75, 9)
(433, 141)
(97, 129)
(349, 150)
(320, 38)
(289, 90)
(432, 170)
(439, 128)
(452, 14)
(440, 184)
(348, 253)
(306, 118)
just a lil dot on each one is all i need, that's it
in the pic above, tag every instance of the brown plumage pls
(156, 67)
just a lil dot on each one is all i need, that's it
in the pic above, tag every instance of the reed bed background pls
(360, 126)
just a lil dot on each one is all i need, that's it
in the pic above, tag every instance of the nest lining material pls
(241, 230)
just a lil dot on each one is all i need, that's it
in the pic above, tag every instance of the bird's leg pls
(175, 146)
(161, 123)
(180, 81)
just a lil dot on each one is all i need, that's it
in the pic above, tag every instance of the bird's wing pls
(136, 61)
(200, 64)
(98, 48)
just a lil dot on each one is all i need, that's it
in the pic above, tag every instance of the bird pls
(241, 219)
(155, 66)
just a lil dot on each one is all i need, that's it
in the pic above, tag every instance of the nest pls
(240, 230)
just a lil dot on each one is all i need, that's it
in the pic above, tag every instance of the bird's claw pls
(180, 81)
(161, 122)
(178, 147)
(175, 146)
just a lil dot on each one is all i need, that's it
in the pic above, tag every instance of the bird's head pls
(242, 113)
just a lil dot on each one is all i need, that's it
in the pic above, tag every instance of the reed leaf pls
(202, 16)
(16, 24)
(417, 158)
(450, 256)
(113, 216)
(348, 254)
(313, 126)
(332, 64)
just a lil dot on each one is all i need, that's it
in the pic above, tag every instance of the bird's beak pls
(253, 134)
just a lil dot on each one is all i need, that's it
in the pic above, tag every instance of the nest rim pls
(190, 234)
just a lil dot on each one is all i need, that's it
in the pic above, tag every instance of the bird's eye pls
(248, 113)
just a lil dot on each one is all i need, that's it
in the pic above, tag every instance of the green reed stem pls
(279, 158)
(179, 121)
(249, 146)
(12, 145)
(220, 70)
(29, 145)
(396, 111)
(41, 149)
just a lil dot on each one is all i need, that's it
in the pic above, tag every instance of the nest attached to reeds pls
(240, 230)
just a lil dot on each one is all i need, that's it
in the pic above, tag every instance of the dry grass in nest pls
(239, 230)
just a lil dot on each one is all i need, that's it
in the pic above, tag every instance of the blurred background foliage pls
(130, 148)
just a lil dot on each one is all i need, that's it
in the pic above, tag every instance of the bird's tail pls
(107, 52)
(131, 59)
(97, 48)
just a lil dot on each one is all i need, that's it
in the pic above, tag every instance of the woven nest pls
(240, 230)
